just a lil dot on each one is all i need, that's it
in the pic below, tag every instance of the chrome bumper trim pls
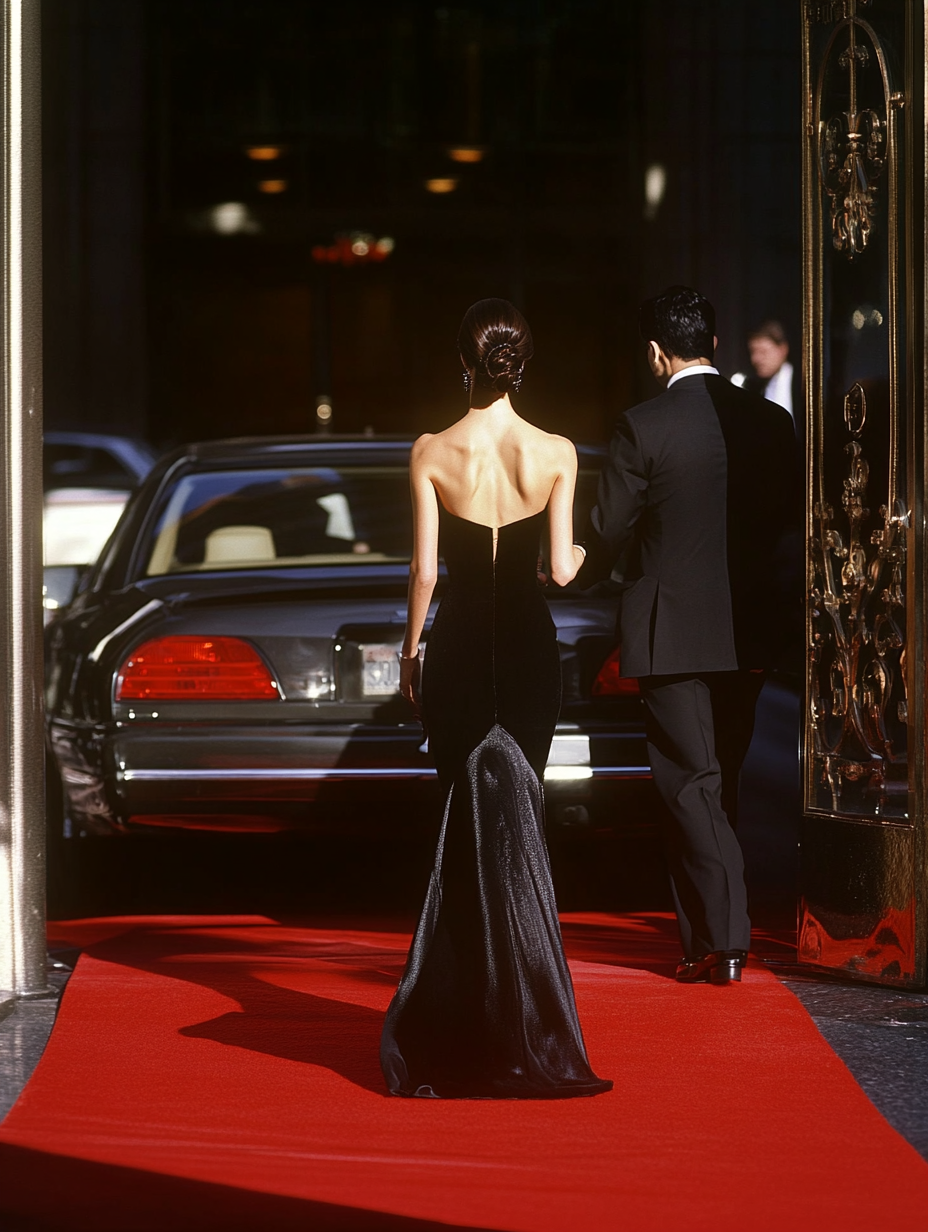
(265, 774)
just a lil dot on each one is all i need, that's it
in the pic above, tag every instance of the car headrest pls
(239, 543)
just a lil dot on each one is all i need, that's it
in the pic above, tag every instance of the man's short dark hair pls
(681, 322)
(772, 330)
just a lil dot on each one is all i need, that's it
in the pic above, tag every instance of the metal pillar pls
(22, 779)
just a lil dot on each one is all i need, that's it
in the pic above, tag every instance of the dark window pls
(80, 466)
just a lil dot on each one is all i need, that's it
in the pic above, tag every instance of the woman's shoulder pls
(434, 452)
(423, 446)
(562, 445)
(560, 450)
(432, 444)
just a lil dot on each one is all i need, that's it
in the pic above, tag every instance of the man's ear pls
(655, 355)
(715, 343)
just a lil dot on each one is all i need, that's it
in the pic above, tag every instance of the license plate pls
(380, 670)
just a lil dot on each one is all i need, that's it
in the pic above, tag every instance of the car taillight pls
(195, 669)
(609, 683)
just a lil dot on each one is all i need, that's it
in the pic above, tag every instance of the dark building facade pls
(570, 156)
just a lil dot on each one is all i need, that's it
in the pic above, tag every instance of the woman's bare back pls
(494, 468)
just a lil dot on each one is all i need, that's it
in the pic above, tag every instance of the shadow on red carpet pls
(54, 1193)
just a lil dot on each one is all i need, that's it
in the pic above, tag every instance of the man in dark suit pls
(700, 488)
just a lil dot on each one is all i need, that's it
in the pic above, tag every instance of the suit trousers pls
(699, 728)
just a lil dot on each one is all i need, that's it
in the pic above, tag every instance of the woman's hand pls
(409, 681)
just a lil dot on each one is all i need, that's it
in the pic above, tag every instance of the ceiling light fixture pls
(231, 218)
(272, 186)
(441, 185)
(264, 153)
(655, 185)
(466, 154)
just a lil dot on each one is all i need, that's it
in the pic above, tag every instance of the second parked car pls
(87, 479)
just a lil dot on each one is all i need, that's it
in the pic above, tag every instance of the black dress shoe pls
(719, 967)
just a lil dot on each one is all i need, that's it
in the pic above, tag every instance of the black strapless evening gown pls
(485, 1008)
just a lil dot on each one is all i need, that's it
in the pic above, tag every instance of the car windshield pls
(259, 519)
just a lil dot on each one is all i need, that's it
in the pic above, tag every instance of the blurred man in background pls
(774, 377)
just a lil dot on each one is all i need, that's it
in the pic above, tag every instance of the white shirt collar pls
(695, 370)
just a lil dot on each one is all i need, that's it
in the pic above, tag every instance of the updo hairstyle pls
(496, 342)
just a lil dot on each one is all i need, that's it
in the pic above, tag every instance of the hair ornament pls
(500, 356)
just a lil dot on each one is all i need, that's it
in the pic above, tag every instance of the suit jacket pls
(698, 501)
(757, 385)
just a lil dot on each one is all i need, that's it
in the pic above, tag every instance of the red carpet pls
(222, 1074)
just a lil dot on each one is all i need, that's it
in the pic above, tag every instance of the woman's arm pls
(423, 570)
(566, 556)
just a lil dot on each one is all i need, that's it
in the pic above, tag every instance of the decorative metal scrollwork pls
(827, 12)
(853, 155)
(855, 409)
(854, 52)
(852, 160)
(858, 603)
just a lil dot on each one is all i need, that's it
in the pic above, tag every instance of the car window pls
(252, 519)
(81, 466)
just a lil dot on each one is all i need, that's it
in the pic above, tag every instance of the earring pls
(466, 375)
(517, 380)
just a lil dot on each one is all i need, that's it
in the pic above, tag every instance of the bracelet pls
(406, 658)
(582, 549)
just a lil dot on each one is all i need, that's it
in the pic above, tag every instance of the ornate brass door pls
(862, 851)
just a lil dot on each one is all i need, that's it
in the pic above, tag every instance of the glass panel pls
(252, 519)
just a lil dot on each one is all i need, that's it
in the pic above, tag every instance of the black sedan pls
(229, 662)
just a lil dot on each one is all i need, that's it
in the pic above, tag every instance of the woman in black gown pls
(485, 1007)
